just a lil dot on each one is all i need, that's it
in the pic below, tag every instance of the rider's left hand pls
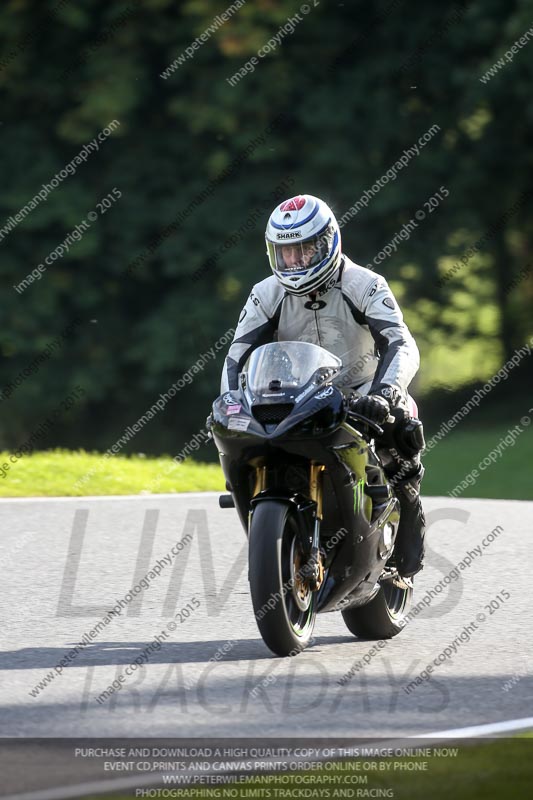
(372, 406)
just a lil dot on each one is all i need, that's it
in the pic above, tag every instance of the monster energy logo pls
(358, 494)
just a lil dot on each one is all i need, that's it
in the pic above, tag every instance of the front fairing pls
(281, 385)
(313, 411)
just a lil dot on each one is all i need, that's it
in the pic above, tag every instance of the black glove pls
(372, 406)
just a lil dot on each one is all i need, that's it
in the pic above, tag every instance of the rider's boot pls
(409, 544)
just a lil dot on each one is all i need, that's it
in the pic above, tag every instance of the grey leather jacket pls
(357, 318)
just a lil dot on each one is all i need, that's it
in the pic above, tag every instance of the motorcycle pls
(312, 496)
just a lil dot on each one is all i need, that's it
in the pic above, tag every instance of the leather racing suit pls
(357, 318)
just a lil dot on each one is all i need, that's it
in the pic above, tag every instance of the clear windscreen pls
(289, 365)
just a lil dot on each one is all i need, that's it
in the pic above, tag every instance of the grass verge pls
(460, 452)
(61, 473)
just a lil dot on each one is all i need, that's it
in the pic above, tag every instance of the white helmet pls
(303, 244)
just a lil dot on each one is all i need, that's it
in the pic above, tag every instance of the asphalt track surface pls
(65, 563)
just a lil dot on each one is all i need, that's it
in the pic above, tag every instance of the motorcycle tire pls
(285, 609)
(384, 616)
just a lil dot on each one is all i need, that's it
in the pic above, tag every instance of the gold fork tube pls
(260, 480)
(315, 487)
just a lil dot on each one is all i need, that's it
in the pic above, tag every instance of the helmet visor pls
(292, 255)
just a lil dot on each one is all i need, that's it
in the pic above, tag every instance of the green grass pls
(55, 473)
(462, 450)
(501, 769)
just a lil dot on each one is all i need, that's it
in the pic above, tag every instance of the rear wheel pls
(284, 606)
(384, 616)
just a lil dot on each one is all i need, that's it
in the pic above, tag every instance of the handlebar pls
(377, 428)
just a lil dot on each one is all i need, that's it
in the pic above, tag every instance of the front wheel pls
(384, 617)
(284, 606)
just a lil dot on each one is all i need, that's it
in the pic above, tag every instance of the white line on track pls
(83, 498)
(482, 730)
(98, 787)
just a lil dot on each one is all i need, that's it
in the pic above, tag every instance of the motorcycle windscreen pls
(289, 365)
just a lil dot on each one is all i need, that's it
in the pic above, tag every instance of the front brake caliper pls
(313, 570)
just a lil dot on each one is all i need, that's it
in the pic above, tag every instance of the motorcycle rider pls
(316, 294)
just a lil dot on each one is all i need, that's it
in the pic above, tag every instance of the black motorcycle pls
(312, 496)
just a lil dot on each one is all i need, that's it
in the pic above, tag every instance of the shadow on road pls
(110, 653)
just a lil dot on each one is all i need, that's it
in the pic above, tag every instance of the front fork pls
(315, 493)
(312, 571)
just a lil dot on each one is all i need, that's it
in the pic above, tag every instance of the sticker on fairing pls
(239, 423)
(304, 393)
(233, 409)
(325, 393)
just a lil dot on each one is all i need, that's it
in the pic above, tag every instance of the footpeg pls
(403, 583)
